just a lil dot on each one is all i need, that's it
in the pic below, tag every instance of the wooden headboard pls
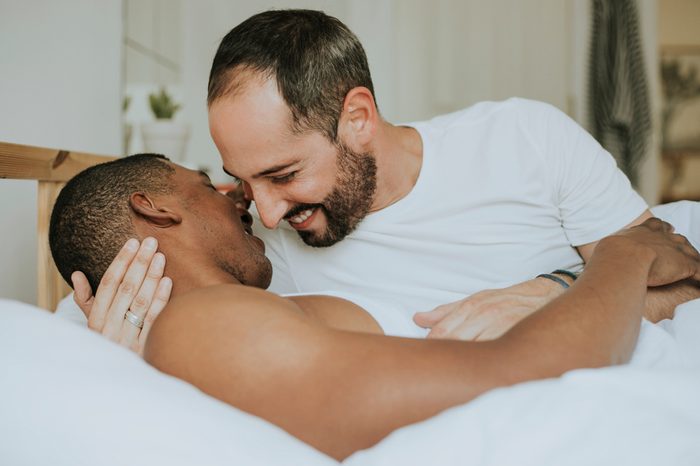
(51, 168)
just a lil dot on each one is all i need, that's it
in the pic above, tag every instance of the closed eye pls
(281, 179)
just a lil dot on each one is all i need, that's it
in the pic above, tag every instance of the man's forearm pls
(343, 391)
(662, 301)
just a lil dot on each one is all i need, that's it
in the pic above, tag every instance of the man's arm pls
(343, 391)
(661, 301)
(490, 313)
(586, 250)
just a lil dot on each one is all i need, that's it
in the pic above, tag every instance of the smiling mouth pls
(303, 219)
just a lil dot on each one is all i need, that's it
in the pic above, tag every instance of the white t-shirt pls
(505, 190)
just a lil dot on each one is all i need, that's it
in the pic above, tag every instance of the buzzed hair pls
(314, 58)
(91, 219)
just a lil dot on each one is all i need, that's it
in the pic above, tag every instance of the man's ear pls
(358, 120)
(146, 208)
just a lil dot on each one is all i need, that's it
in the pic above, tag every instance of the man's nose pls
(247, 192)
(246, 218)
(270, 206)
(239, 196)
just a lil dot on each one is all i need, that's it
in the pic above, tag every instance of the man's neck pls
(399, 154)
(188, 276)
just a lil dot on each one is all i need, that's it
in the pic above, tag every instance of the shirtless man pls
(457, 214)
(318, 366)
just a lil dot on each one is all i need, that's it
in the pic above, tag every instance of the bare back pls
(337, 313)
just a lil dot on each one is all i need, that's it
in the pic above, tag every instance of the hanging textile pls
(618, 103)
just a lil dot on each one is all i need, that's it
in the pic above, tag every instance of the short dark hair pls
(91, 219)
(315, 59)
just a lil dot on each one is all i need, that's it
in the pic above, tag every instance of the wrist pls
(624, 255)
(549, 286)
(618, 246)
(562, 279)
(567, 276)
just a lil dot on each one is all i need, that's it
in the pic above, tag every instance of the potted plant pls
(127, 126)
(165, 136)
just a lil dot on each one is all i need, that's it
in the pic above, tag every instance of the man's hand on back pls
(133, 282)
(488, 314)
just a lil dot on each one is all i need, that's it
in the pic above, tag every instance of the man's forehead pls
(193, 175)
(242, 79)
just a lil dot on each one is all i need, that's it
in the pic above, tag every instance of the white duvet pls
(70, 397)
(646, 413)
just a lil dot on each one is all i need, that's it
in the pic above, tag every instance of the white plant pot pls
(166, 137)
(128, 131)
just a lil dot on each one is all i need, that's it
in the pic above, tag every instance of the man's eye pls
(283, 178)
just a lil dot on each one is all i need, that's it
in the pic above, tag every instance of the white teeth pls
(302, 217)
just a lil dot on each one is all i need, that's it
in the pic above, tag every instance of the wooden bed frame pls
(51, 168)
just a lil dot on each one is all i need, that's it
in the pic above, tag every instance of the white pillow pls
(71, 397)
(684, 216)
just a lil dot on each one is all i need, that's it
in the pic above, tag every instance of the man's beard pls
(349, 201)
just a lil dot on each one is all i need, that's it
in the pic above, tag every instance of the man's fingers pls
(110, 282)
(82, 293)
(144, 297)
(140, 304)
(457, 315)
(129, 287)
(160, 299)
(657, 224)
(429, 318)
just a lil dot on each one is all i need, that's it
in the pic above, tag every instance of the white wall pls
(426, 58)
(207, 21)
(60, 86)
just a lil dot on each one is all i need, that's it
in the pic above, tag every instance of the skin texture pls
(146, 299)
(341, 391)
(263, 141)
(308, 362)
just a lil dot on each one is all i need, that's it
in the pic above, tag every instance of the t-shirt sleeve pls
(594, 197)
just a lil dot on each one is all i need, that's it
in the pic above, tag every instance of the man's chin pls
(318, 240)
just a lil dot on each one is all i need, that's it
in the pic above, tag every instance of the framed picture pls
(680, 122)
(680, 85)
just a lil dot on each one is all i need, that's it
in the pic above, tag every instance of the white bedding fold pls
(614, 416)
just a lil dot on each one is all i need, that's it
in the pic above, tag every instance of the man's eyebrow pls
(275, 169)
(229, 173)
(204, 174)
(265, 172)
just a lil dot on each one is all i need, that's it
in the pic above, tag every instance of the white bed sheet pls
(70, 397)
(643, 414)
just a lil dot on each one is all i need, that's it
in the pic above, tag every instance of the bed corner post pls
(51, 168)
(51, 287)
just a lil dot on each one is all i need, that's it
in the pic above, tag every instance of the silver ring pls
(133, 319)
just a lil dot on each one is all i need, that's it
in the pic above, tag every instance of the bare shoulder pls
(211, 315)
(222, 296)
